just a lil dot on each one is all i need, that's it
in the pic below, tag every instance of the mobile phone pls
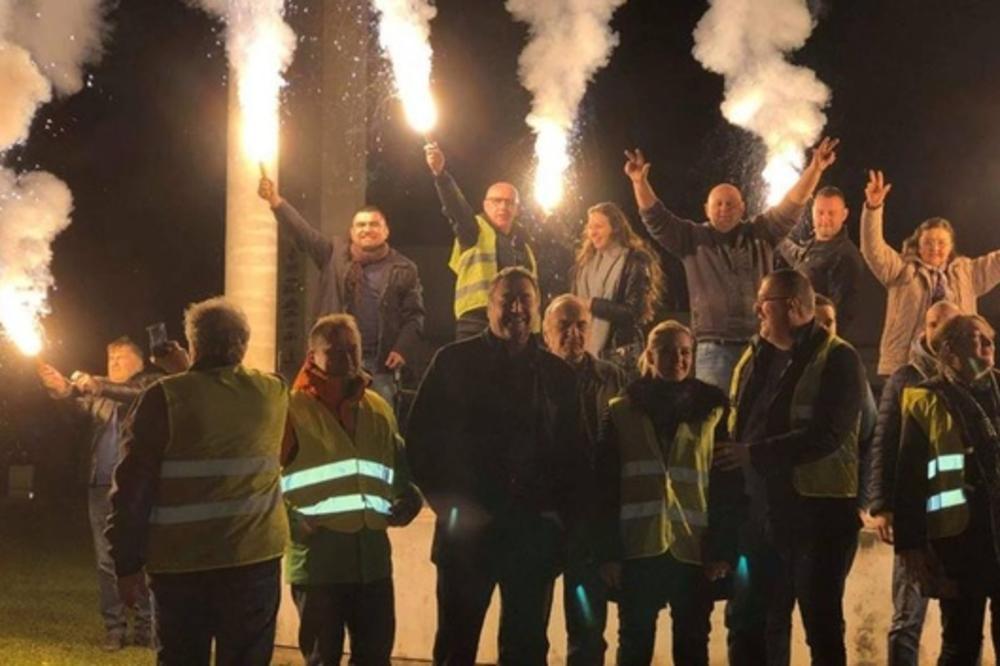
(157, 339)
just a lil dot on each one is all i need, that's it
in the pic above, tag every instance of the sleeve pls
(845, 279)
(627, 314)
(606, 506)
(775, 223)
(121, 393)
(307, 237)
(791, 252)
(411, 315)
(426, 433)
(674, 234)
(840, 394)
(407, 501)
(869, 417)
(457, 209)
(910, 491)
(727, 511)
(133, 493)
(883, 261)
(985, 272)
(885, 445)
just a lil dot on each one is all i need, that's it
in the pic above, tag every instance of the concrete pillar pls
(251, 243)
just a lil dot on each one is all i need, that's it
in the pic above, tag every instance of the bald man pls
(726, 258)
(485, 243)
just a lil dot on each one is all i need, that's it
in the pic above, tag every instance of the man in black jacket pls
(105, 401)
(908, 604)
(567, 330)
(797, 396)
(365, 277)
(494, 444)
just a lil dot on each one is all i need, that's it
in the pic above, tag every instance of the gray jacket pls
(723, 271)
(401, 308)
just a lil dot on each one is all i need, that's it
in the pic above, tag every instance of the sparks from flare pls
(781, 172)
(404, 34)
(552, 161)
(20, 313)
(259, 82)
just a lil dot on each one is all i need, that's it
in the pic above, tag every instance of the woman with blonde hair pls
(667, 517)
(928, 270)
(619, 277)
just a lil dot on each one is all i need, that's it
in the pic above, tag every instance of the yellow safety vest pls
(476, 266)
(947, 507)
(218, 500)
(834, 475)
(340, 483)
(664, 503)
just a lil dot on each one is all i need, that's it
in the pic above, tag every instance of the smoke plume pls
(44, 45)
(747, 41)
(569, 41)
(404, 34)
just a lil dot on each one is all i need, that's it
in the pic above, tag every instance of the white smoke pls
(44, 45)
(569, 41)
(260, 47)
(405, 34)
(747, 41)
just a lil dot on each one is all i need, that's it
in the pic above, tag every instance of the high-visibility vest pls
(476, 266)
(336, 481)
(664, 503)
(834, 475)
(218, 501)
(947, 506)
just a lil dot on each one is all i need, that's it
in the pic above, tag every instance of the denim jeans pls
(112, 608)
(383, 382)
(714, 362)
(908, 610)
(238, 607)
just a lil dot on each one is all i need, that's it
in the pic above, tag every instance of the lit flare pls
(404, 34)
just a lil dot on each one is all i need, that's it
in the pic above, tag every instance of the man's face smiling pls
(369, 230)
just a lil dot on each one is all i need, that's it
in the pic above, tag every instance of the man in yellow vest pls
(196, 500)
(485, 243)
(797, 394)
(495, 446)
(345, 480)
(947, 491)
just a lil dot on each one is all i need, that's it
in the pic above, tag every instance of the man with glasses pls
(485, 243)
(796, 401)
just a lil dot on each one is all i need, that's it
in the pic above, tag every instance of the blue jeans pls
(714, 362)
(908, 610)
(383, 383)
(112, 608)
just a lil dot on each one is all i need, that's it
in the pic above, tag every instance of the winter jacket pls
(834, 267)
(885, 444)
(491, 436)
(626, 308)
(724, 270)
(401, 309)
(910, 283)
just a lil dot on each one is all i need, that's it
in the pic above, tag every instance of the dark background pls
(915, 87)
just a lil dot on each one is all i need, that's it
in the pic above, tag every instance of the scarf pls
(359, 259)
(599, 278)
(340, 395)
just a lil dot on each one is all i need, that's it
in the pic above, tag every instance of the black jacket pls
(625, 310)
(401, 309)
(775, 504)
(480, 451)
(834, 267)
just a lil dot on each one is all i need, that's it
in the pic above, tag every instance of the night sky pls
(916, 92)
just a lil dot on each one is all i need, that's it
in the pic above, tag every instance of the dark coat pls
(401, 308)
(626, 308)
(461, 434)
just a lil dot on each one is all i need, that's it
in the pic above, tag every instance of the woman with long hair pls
(667, 517)
(619, 277)
(928, 270)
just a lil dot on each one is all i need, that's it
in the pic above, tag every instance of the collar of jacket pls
(499, 347)
(922, 358)
(689, 400)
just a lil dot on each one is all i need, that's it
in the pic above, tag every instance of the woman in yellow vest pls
(344, 480)
(665, 538)
(947, 495)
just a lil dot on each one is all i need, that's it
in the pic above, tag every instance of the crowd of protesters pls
(651, 463)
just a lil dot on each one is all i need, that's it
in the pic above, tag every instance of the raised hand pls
(435, 158)
(636, 166)
(876, 190)
(57, 385)
(268, 192)
(825, 153)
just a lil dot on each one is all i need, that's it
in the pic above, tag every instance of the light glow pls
(552, 161)
(781, 172)
(404, 34)
(21, 307)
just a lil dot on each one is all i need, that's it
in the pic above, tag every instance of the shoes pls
(113, 642)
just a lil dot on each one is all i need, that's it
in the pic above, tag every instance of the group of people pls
(650, 463)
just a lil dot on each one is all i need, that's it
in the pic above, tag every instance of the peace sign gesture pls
(825, 154)
(876, 190)
(636, 166)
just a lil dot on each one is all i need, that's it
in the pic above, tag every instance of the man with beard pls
(494, 443)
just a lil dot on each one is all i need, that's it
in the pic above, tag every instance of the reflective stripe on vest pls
(947, 507)
(343, 482)
(834, 475)
(476, 266)
(218, 497)
(663, 506)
